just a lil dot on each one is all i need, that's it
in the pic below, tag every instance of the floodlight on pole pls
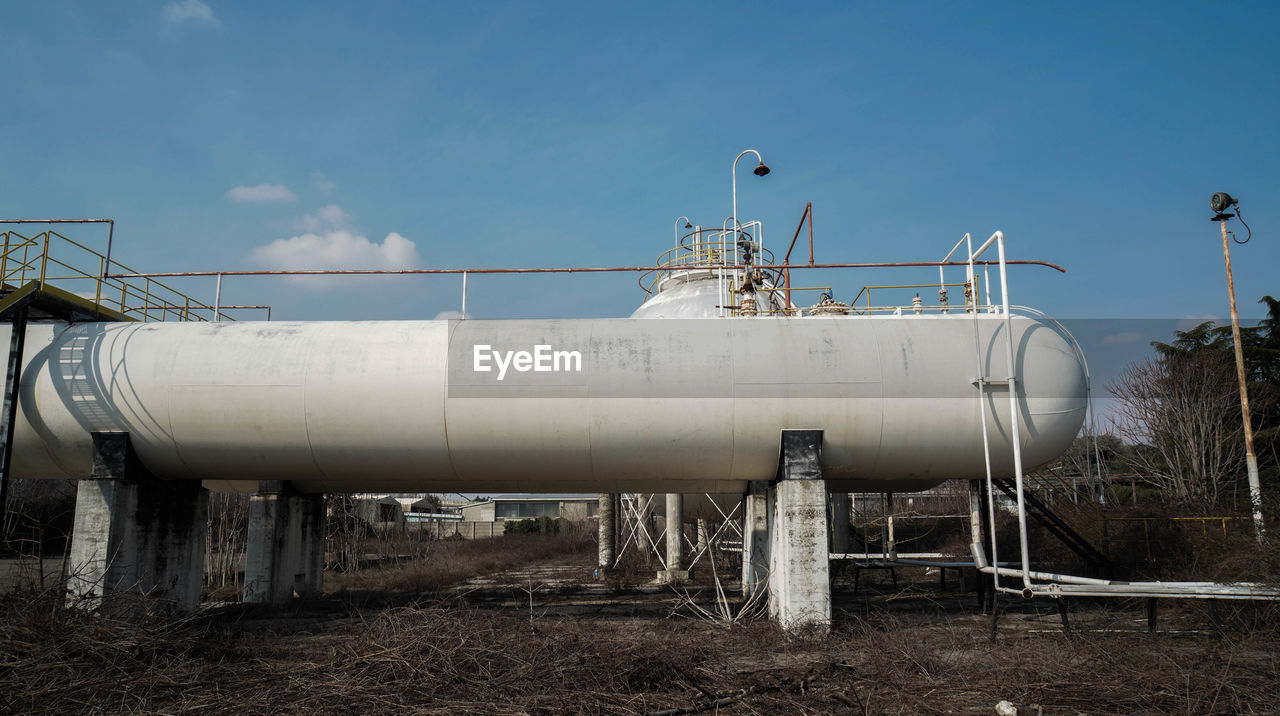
(759, 171)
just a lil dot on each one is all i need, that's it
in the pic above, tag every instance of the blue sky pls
(245, 135)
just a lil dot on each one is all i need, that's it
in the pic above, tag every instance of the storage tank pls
(595, 405)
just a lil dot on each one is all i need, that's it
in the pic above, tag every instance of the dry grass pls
(436, 659)
(438, 564)
(892, 654)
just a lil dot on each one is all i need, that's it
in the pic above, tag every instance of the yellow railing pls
(707, 253)
(1206, 523)
(57, 261)
(970, 301)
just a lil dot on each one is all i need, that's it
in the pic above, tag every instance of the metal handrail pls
(56, 260)
(714, 247)
(867, 291)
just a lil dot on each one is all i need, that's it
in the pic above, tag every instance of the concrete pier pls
(135, 535)
(755, 537)
(674, 573)
(285, 554)
(799, 581)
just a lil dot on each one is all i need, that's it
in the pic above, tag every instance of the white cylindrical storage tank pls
(610, 405)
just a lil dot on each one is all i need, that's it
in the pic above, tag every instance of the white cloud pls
(331, 216)
(195, 12)
(330, 244)
(261, 194)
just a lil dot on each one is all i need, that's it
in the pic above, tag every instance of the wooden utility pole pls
(1251, 459)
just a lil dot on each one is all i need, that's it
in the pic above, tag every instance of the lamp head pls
(1220, 202)
(761, 170)
(687, 225)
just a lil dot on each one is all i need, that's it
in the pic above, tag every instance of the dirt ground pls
(548, 636)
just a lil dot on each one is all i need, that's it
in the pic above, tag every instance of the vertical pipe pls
(217, 300)
(464, 294)
(986, 279)
(720, 270)
(809, 210)
(111, 233)
(1251, 458)
(1015, 431)
(44, 257)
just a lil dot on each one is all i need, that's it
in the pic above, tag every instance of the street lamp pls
(676, 229)
(759, 171)
(1220, 202)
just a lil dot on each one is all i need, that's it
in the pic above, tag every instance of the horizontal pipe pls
(1085, 586)
(980, 560)
(1224, 591)
(587, 269)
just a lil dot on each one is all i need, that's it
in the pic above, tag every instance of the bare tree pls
(228, 533)
(1182, 412)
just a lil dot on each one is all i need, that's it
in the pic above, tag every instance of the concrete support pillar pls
(606, 531)
(887, 537)
(840, 527)
(285, 553)
(675, 541)
(799, 581)
(134, 534)
(755, 537)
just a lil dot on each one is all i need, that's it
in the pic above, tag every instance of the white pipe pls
(735, 185)
(980, 561)
(464, 294)
(986, 280)
(981, 249)
(724, 296)
(217, 300)
(941, 279)
(1063, 584)
(973, 290)
(1015, 431)
(676, 230)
